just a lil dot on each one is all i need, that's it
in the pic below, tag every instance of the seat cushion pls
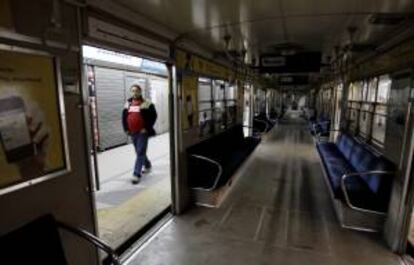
(336, 168)
(360, 195)
(335, 164)
(328, 149)
(229, 148)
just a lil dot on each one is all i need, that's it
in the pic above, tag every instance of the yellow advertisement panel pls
(6, 20)
(190, 101)
(31, 138)
(188, 62)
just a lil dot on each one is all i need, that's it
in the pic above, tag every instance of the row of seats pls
(319, 126)
(356, 176)
(212, 162)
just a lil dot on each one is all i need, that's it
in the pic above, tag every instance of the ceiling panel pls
(317, 7)
(255, 35)
(386, 6)
(188, 15)
(326, 7)
(260, 24)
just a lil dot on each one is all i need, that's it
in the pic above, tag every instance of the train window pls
(353, 117)
(365, 120)
(379, 124)
(219, 90)
(372, 89)
(231, 99)
(205, 106)
(380, 116)
(350, 91)
(384, 87)
(367, 108)
(364, 90)
(357, 88)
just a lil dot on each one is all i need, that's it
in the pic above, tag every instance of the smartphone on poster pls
(14, 131)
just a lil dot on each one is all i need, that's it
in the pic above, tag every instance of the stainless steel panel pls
(110, 102)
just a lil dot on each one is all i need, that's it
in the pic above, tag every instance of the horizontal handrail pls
(251, 127)
(219, 173)
(347, 199)
(96, 241)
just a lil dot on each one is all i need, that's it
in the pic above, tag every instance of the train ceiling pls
(255, 28)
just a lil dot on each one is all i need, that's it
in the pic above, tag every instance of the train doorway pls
(123, 206)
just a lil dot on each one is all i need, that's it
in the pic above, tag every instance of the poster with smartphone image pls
(32, 136)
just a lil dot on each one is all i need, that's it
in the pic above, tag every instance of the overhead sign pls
(273, 61)
(192, 63)
(304, 62)
(111, 56)
(293, 80)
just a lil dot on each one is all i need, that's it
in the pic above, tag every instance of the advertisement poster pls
(32, 140)
(190, 100)
(6, 20)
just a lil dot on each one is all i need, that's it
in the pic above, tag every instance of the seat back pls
(345, 144)
(35, 243)
(235, 136)
(219, 144)
(325, 125)
(364, 160)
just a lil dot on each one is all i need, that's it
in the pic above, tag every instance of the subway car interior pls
(164, 132)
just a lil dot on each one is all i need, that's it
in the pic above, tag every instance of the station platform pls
(122, 207)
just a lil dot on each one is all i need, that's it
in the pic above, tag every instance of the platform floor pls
(124, 208)
(278, 212)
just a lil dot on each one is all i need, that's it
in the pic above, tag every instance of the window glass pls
(372, 89)
(384, 87)
(206, 122)
(231, 95)
(205, 106)
(364, 90)
(365, 120)
(219, 115)
(357, 91)
(379, 124)
(367, 110)
(350, 91)
(378, 128)
(231, 92)
(218, 90)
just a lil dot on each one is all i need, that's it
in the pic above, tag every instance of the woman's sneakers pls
(136, 179)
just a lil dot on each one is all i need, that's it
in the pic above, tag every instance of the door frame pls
(172, 95)
(406, 202)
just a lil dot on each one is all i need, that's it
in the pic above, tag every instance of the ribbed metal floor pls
(277, 213)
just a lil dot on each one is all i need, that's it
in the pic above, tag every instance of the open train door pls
(112, 63)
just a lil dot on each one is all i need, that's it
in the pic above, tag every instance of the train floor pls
(122, 207)
(278, 212)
